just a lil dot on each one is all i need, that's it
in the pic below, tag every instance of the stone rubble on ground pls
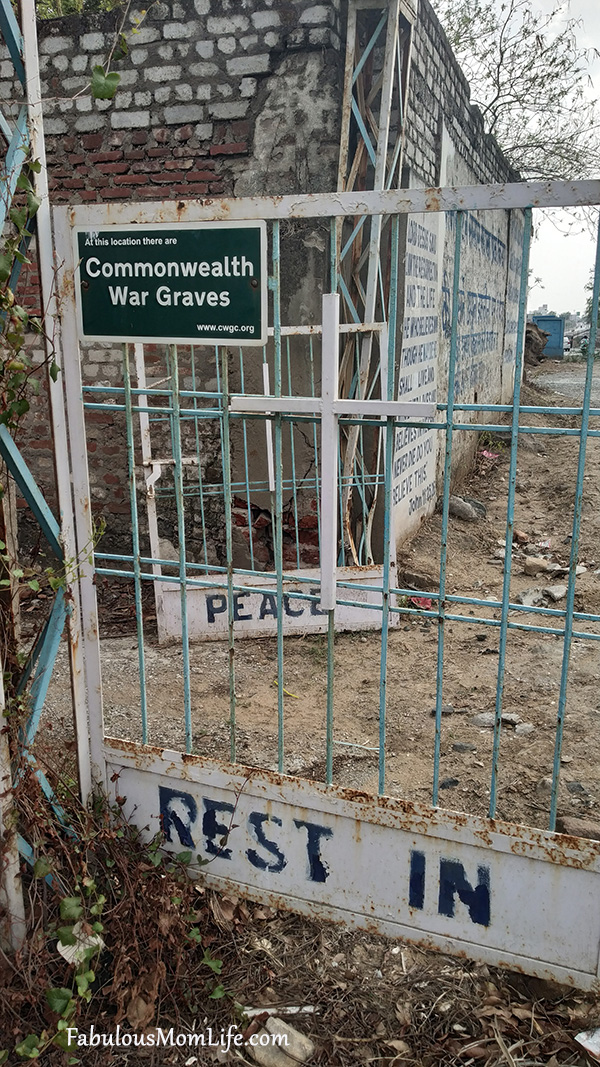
(567, 824)
(524, 728)
(466, 508)
(535, 564)
(295, 1047)
(530, 598)
(555, 592)
(487, 719)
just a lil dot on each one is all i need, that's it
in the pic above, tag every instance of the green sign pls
(197, 283)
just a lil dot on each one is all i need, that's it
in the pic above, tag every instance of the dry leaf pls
(164, 922)
(139, 1013)
(398, 1046)
(522, 1013)
(403, 1014)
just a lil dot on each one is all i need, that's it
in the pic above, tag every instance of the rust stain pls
(433, 199)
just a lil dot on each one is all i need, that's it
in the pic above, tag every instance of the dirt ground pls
(543, 516)
(373, 1000)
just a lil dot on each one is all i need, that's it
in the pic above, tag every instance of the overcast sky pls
(563, 263)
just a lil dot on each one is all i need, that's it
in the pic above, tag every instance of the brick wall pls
(220, 98)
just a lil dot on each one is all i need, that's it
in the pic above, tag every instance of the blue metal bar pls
(357, 586)
(10, 30)
(445, 509)
(44, 656)
(369, 47)
(30, 491)
(471, 619)
(564, 678)
(315, 445)
(227, 500)
(364, 132)
(346, 295)
(388, 510)
(13, 164)
(185, 643)
(510, 509)
(529, 409)
(278, 524)
(352, 237)
(135, 539)
(198, 455)
(293, 458)
(246, 470)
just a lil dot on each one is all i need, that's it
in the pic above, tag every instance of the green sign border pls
(155, 338)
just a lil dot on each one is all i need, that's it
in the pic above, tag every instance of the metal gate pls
(247, 482)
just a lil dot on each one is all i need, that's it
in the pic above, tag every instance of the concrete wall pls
(447, 146)
(237, 98)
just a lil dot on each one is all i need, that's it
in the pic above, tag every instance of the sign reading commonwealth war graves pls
(199, 283)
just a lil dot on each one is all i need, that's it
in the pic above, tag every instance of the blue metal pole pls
(278, 526)
(445, 506)
(229, 548)
(564, 678)
(179, 502)
(510, 508)
(390, 435)
(135, 538)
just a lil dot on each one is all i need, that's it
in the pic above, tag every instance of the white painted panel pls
(416, 448)
(255, 613)
(506, 894)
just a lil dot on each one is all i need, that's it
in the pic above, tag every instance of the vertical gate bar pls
(568, 636)
(198, 457)
(329, 450)
(445, 507)
(390, 434)
(144, 422)
(83, 620)
(330, 681)
(342, 552)
(246, 471)
(227, 497)
(293, 456)
(269, 433)
(329, 503)
(77, 533)
(278, 530)
(179, 503)
(311, 350)
(135, 540)
(510, 508)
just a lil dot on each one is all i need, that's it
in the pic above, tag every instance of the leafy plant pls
(114, 926)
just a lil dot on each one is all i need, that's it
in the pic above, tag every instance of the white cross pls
(329, 407)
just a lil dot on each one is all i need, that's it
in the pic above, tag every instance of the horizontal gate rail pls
(331, 205)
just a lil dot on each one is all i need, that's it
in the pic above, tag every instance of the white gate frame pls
(509, 895)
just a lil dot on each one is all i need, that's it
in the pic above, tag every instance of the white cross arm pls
(293, 405)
